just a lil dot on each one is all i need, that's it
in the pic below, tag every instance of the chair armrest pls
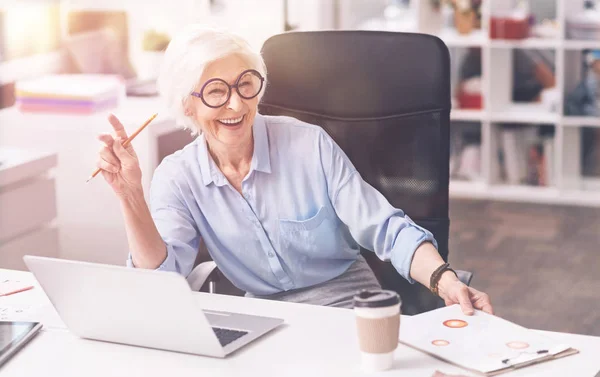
(464, 276)
(199, 274)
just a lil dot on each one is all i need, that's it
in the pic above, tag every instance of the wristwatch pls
(436, 276)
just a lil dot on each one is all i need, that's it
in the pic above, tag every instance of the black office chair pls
(385, 99)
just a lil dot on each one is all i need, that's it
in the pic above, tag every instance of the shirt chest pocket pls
(315, 236)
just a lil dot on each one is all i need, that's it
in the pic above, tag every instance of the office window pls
(28, 28)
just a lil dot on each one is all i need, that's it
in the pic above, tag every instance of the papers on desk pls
(482, 343)
(12, 307)
(27, 305)
(11, 287)
(73, 94)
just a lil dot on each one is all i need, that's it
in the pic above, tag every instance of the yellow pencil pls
(127, 142)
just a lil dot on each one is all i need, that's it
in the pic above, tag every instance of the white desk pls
(315, 341)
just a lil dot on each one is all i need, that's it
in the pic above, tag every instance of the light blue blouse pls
(303, 212)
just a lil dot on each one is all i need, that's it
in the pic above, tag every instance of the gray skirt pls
(337, 292)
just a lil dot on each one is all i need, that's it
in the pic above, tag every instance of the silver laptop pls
(154, 309)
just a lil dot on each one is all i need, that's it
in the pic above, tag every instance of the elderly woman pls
(280, 207)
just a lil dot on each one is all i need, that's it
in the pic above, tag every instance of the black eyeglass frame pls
(231, 87)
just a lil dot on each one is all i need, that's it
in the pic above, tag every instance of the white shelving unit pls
(468, 115)
(577, 121)
(580, 45)
(567, 186)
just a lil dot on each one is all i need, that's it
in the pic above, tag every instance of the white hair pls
(184, 62)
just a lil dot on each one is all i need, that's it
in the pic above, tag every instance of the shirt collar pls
(205, 160)
(260, 158)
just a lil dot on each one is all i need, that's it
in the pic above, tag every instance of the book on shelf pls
(465, 153)
(527, 155)
(549, 154)
(590, 152)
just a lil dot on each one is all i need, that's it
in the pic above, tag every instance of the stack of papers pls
(77, 94)
(16, 304)
(481, 343)
(10, 287)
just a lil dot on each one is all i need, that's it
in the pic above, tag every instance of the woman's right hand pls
(119, 165)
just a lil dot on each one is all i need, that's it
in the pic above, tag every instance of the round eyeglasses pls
(217, 92)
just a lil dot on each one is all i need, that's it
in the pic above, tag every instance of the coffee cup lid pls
(378, 298)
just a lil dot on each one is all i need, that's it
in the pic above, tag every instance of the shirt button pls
(247, 196)
(271, 255)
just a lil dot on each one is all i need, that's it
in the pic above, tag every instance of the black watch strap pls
(436, 276)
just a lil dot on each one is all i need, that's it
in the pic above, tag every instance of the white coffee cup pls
(378, 326)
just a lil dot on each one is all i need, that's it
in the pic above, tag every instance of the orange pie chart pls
(455, 323)
(517, 345)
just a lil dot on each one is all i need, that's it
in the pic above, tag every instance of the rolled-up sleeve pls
(169, 264)
(174, 222)
(372, 221)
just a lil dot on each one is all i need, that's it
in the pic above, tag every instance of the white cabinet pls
(27, 206)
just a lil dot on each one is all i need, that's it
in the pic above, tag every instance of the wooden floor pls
(540, 264)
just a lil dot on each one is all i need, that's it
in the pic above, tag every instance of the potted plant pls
(155, 41)
(154, 45)
(467, 13)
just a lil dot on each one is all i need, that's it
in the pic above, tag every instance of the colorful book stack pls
(72, 94)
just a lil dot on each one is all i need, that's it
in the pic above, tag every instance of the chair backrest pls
(385, 99)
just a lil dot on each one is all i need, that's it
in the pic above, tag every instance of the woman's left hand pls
(453, 291)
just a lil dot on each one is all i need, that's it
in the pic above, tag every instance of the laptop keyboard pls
(227, 336)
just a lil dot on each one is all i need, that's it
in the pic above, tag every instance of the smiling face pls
(230, 124)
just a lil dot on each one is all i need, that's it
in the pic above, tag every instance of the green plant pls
(155, 41)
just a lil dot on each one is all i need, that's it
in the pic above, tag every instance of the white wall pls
(354, 12)
(165, 16)
(30, 66)
(254, 20)
(311, 14)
